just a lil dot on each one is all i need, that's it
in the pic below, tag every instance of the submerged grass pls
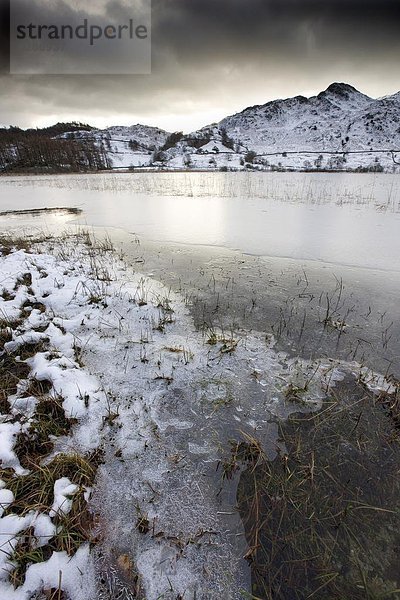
(323, 519)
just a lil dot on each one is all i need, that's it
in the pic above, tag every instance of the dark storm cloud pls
(198, 29)
(211, 57)
(4, 37)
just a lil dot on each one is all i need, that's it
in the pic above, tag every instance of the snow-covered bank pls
(161, 400)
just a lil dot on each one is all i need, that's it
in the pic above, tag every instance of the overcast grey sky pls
(212, 58)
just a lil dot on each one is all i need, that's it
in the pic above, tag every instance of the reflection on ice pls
(349, 219)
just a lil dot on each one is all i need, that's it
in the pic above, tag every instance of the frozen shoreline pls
(161, 400)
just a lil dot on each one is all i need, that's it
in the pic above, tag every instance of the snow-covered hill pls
(132, 146)
(339, 129)
(340, 118)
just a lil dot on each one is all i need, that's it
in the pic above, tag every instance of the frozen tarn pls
(323, 218)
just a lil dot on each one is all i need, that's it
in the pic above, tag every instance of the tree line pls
(59, 148)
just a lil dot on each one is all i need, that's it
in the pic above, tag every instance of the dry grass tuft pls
(35, 492)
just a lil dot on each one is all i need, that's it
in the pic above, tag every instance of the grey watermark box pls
(86, 37)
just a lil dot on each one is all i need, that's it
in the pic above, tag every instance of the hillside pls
(339, 129)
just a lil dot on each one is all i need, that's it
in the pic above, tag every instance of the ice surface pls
(324, 217)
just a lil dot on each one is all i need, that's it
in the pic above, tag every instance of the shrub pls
(250, 156)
